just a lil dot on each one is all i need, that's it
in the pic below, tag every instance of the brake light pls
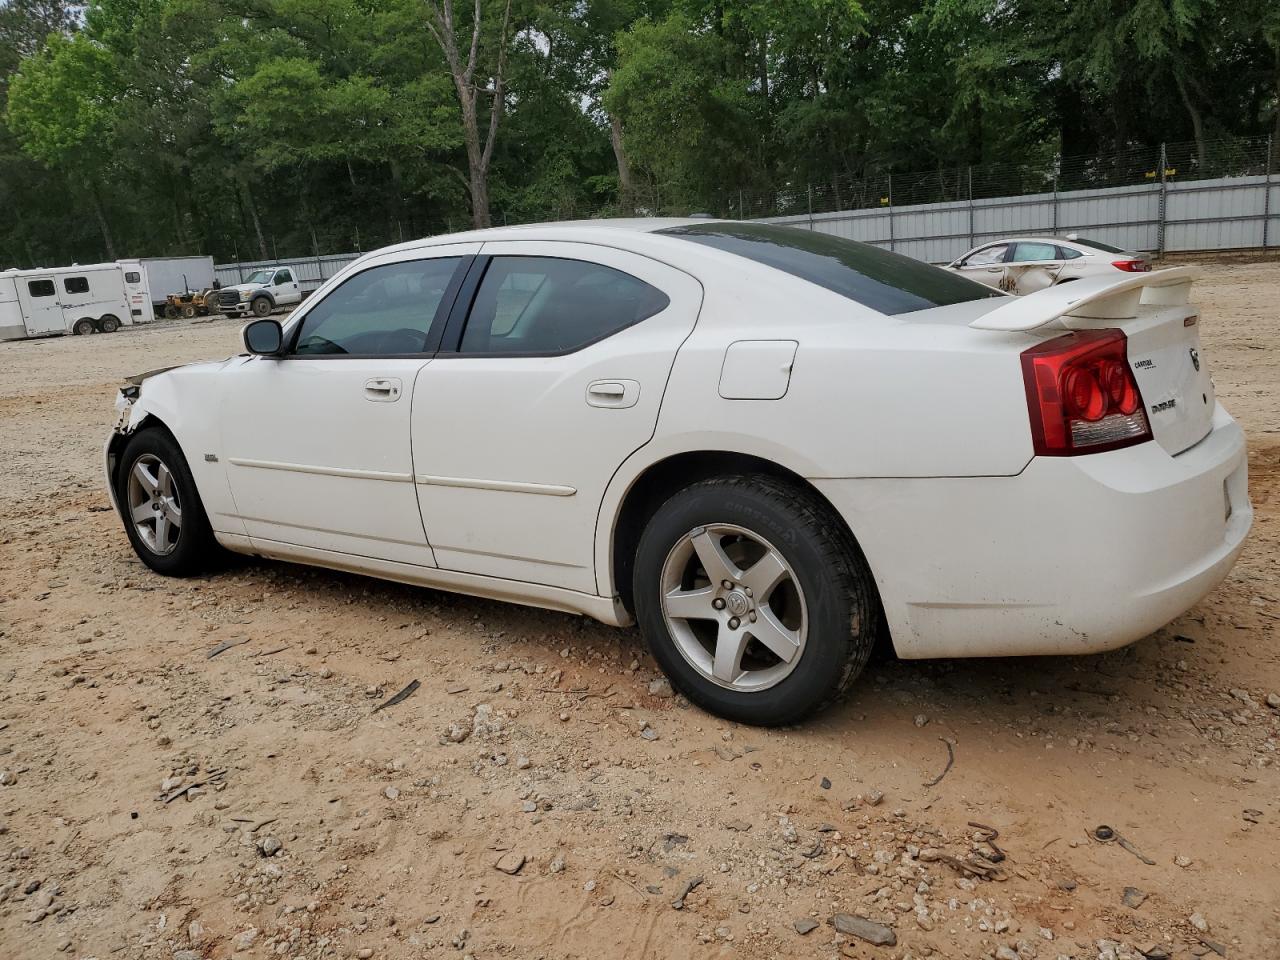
(1132, 266)
(1082, 395)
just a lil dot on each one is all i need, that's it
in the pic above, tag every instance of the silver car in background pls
(1022, 265)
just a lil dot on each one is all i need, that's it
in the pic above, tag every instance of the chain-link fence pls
(1211, 195)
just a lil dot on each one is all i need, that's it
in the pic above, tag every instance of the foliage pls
(245, 128)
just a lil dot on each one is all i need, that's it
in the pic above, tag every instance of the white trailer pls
(56, 300)
(149, 280)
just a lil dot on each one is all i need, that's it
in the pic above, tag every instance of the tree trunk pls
(101, 216)
(1197, 121)
(477, 168)
(479, 153)
(253, 216)
(626, 193)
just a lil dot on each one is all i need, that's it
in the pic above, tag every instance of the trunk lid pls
(1164, 354)
(1163, 333)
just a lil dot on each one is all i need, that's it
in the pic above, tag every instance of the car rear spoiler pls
(1095, 298)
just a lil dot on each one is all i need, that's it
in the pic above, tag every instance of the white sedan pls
(1024, 265)
(763, 444)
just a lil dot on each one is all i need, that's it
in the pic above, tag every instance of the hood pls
(138, 378)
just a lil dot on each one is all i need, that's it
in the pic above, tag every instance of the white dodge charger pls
(765, 445)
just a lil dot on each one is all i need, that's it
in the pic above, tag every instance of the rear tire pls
(171, 312)
(84, 327)
(163, 516)
(796, 584)
(109, 323)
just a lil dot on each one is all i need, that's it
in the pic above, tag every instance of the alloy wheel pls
(154, 506)
(734, 607)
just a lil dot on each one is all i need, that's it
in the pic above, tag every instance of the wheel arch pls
(116, 444)
(658, 480)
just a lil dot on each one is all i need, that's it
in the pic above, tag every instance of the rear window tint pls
(1096, 244)
(884, 281)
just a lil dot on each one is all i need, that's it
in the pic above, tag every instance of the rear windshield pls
(1097, 245)
(884, 281)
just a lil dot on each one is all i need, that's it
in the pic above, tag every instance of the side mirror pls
(263, 337)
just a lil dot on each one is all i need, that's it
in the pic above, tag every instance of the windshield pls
(884, 281)
(259, 276)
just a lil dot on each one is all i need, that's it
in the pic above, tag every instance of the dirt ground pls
(317, 827)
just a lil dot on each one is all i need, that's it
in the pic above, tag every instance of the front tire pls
(754, 600)
(161, 508)
(261, 307)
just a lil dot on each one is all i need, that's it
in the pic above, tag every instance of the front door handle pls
(613, 393)
(383, 389)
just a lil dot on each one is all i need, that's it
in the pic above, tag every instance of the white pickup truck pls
(260, 293)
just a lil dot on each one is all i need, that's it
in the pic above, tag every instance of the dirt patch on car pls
(198, 769)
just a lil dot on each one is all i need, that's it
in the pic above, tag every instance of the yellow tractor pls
(188, 305)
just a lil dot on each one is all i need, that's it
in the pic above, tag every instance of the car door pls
(985, 265)
(40, 305)
(284, 288)
(538, 394)
(316, 443)
(1033, 265)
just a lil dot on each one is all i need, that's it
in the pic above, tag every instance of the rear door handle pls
(383, 389)
(613, 393)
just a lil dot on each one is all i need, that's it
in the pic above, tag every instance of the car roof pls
(585, 230)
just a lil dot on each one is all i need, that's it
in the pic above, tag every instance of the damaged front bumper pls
(122, 427)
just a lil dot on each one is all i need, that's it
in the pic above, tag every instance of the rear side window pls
(76, 284)
(884, 281)
(547, 305)
(132, 277)
(384, 311)
(1066, 253)
(41, 288)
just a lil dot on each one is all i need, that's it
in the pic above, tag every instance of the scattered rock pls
(391, 793)
(1198, 921)
(8, 778)
(1182, 861)
(510, 863)
(1133, 898)
(864, 929)
(270, 846)
(874, 797)
(660, 687)
(1273, 701)
(244, 939)
(364, 953)
(805, 926)
(921, 720)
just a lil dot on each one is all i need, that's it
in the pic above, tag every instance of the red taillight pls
(1131, 266)
(1082, 396)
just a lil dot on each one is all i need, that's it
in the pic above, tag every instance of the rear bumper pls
(1073, 555)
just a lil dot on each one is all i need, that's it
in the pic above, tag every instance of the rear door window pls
(540, 306)
(1024, 251)
(41, 288)
(888, 282)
